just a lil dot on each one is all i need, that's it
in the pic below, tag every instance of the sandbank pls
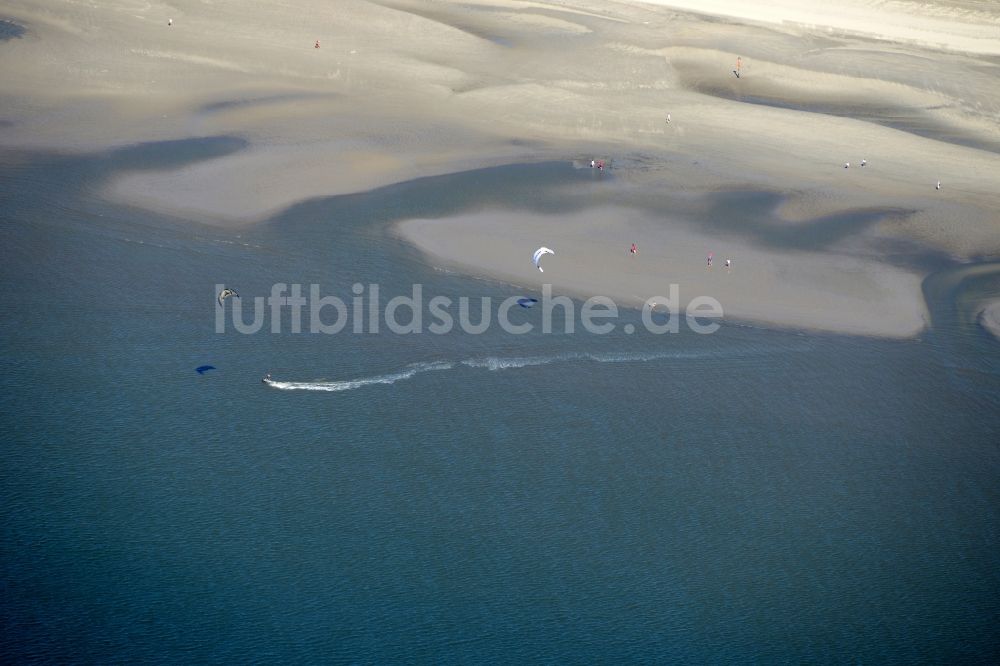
(406, 88)
(802, 290)
(989, 318)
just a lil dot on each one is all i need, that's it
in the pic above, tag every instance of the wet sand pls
(406, 89)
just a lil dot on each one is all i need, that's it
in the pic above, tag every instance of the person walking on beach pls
(710, 256)
(634, 249)
(729, 263)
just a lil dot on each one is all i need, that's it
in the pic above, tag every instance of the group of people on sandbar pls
(847, 165)
(711, 256)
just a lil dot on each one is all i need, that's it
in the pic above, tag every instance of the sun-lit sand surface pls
(990, 318)
(406, 88)
(800, 289)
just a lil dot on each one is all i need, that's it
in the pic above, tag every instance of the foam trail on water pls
(350, 384)
(497, 363)
(492, 363)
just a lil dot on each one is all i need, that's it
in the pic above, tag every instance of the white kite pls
(538, 257)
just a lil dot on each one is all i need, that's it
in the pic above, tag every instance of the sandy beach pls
(405, 89)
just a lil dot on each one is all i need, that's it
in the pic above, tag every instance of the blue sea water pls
(747, 496)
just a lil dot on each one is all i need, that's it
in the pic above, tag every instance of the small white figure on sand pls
(938, 186)
(847, 165)
(729, 263)
(864, 162)
(170, 21)
(668, 117)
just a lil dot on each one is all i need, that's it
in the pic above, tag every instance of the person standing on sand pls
(634, 249)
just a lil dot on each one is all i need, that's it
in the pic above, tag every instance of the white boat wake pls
(350, 384)
(491, 363)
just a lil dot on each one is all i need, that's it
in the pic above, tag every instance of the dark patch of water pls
(10, 30)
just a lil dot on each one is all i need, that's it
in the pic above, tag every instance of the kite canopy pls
(202, 369)
(537, 257)
(226, 293)
(526, 302)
